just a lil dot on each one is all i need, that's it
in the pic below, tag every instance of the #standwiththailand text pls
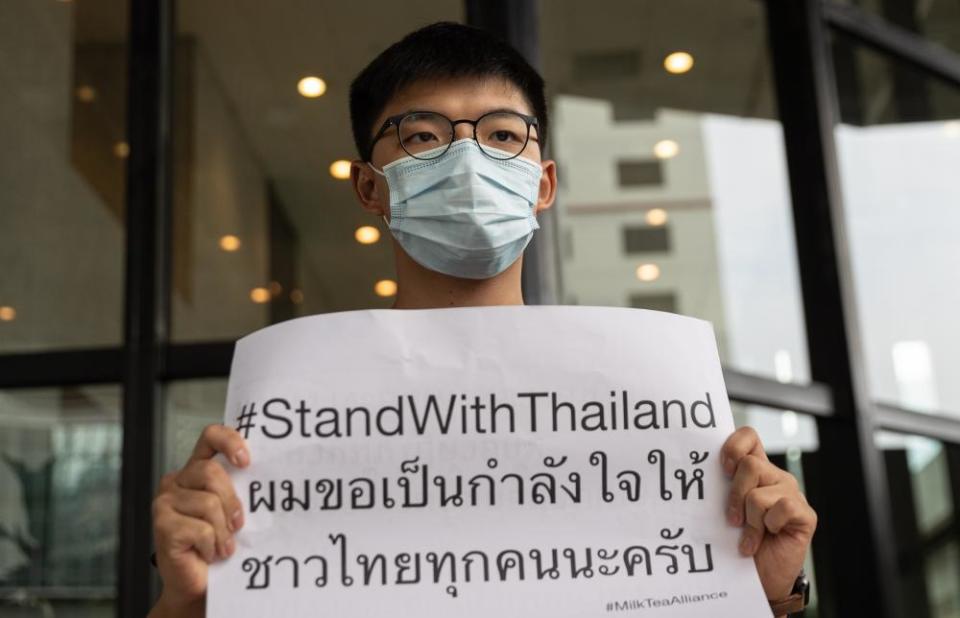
(458, 413)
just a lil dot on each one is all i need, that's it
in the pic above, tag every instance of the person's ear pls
(366, 185)
(548, 186)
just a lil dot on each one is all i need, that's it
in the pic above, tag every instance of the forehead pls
(463, 97)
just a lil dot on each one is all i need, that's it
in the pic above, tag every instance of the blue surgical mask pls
(463, 214)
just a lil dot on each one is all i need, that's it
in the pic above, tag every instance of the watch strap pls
(797, 600)
(788, 605)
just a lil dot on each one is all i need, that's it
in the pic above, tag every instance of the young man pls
(450, 124)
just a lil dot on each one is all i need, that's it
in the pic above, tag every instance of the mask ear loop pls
(384, 217)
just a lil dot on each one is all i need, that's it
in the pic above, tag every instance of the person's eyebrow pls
(505, 109)
(415, 110)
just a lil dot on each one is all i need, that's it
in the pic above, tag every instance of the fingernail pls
(746, 545)
(241, 458)
(733, 515)
(231, 545)
(236, 520)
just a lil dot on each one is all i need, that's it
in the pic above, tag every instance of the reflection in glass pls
(257, 160)
(674, 192)
(938, 21)
(62, 166)
(898, 152)
(190, 405)
(59, 499)
(924, 477)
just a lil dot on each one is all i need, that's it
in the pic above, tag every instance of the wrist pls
(167, 605)
(795, 600)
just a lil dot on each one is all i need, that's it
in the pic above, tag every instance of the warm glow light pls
(678, 62)
(340, 169)
(275, 288)
(666, 149)
(367, 235)
(229, 242)
(312, 87)
(656, 216)
(385, 287)
(7, 314)
(86, 94)
(260, 295)
(121, 150)
(952, 128)
(648, 272)
(296, 296)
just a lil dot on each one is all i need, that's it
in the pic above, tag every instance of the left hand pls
(777, 521)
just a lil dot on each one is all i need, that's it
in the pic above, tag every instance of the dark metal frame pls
(855, 566)
(147, 289)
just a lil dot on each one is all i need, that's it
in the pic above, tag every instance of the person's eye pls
(421, 137)
(504, 136)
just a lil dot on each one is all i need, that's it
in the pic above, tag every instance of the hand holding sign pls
(778, 522)
(195, 515)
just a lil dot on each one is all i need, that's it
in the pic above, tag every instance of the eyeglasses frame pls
(396, 120)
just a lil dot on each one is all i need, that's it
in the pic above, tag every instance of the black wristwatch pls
(796, 601)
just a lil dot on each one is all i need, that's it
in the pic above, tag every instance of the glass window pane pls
(62, 165)
(924, 480)
(265, 224)
(60, 454)
(660, 121)
(936, 20)
(899, 148)
(189, 406)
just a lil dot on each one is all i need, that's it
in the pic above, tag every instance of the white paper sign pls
(499, 461)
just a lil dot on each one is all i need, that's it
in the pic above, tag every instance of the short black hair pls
(443, 50)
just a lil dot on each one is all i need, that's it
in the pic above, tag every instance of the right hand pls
(196, 512)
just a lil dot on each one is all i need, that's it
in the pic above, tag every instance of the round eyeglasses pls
(501, 135)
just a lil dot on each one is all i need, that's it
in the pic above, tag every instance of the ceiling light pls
(7, 314)
(296, 296)
(275, 288)
(311, 87)
(229, 243)
(260, 295)
(656, 216)
(666, 149)
(121, 150)
(367, 235)
(86, 94)
(385, 287)
(340, 169)
(678, 62)
(648, 272)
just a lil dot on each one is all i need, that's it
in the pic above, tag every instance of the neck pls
(421, 288)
